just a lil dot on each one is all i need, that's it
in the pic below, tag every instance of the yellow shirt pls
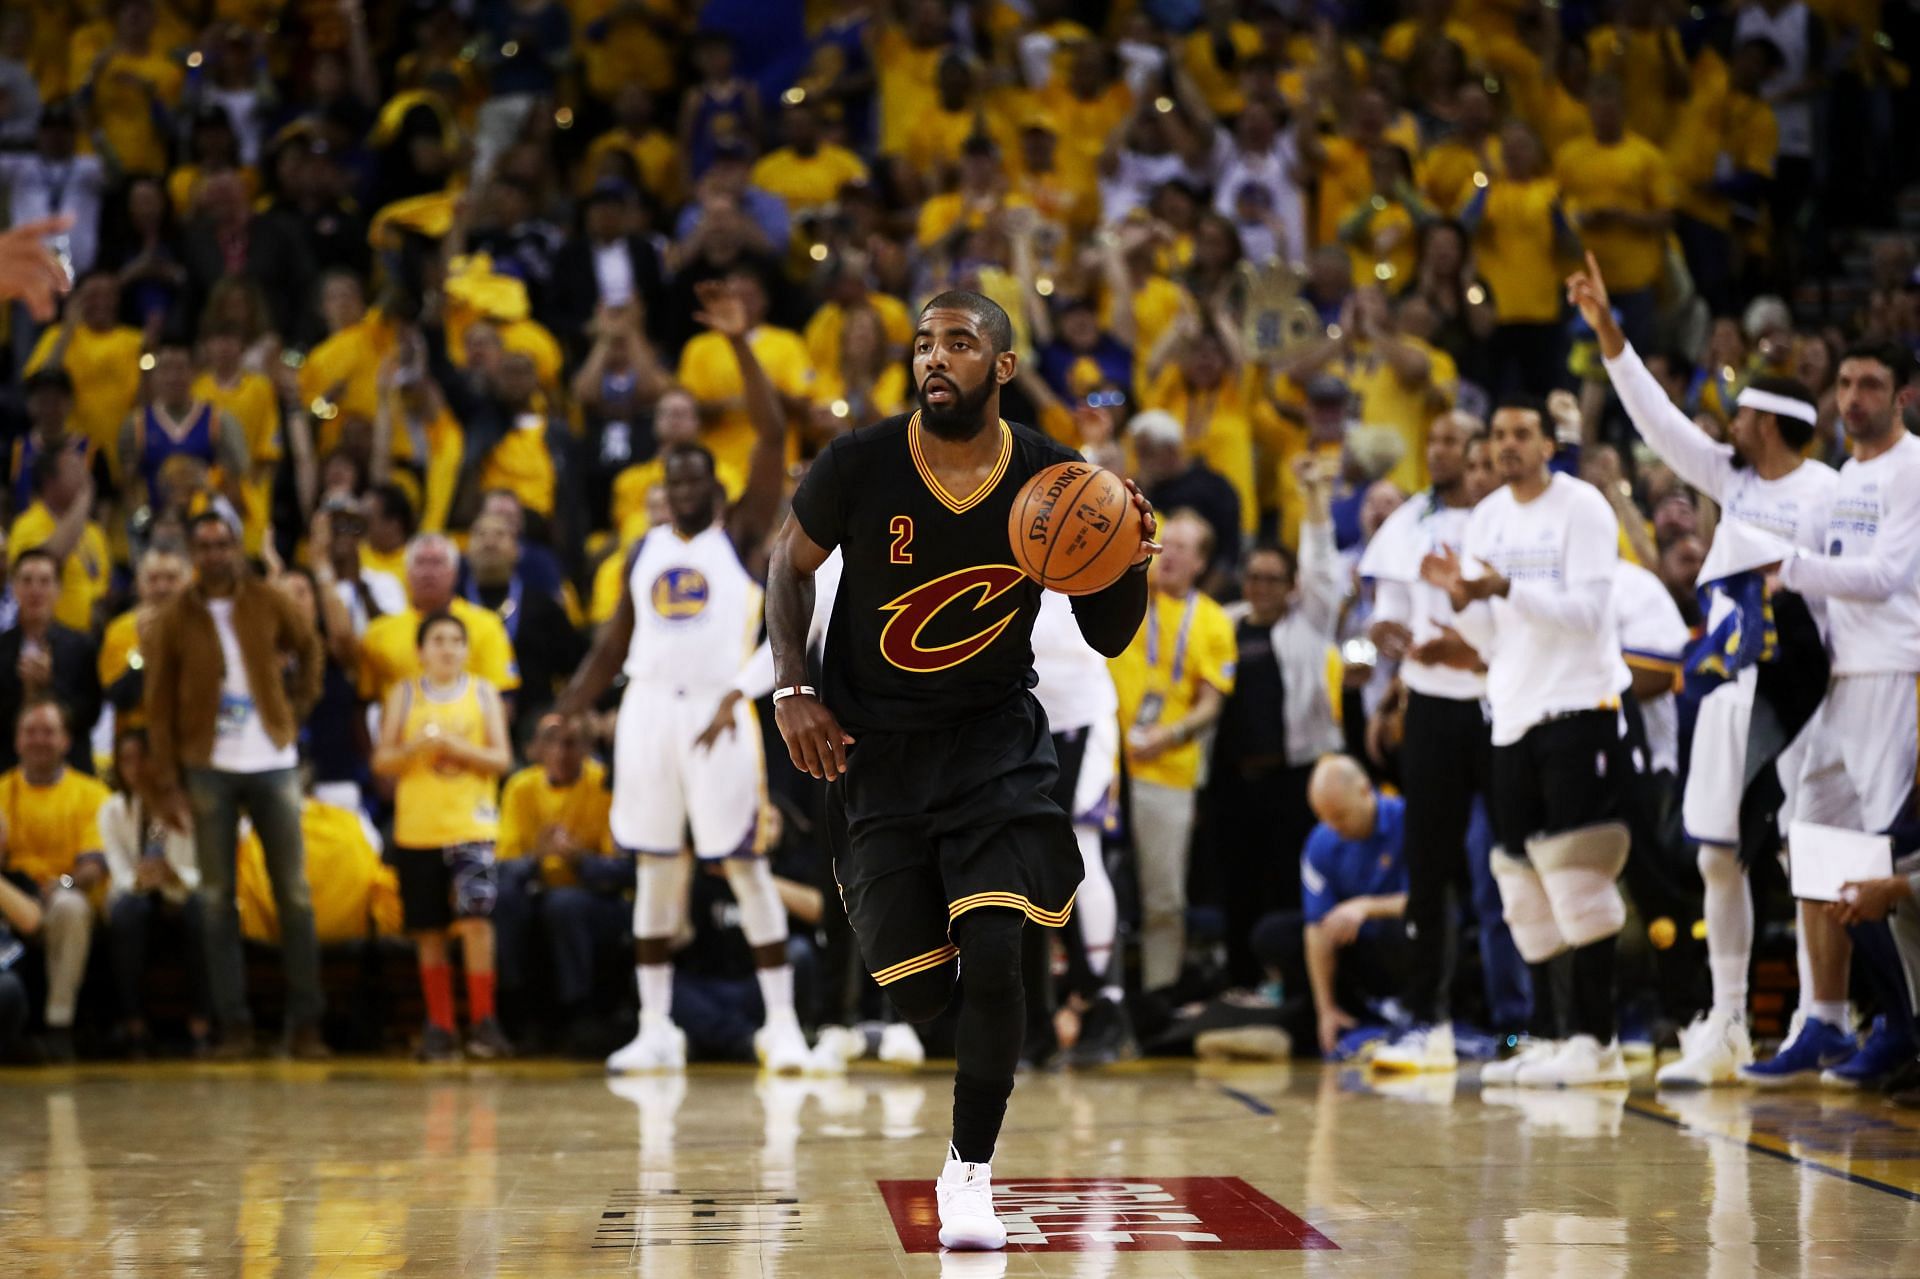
(119, 649)
(1158, 678)
(83, 575)
(1345, 180)
(1398, 44)
(655, 154)
(1733, 133)
(822, 333)
(1635, 59)
(390, 650)
(124, 93)
(908, 75)
(1084, 125)
(943, 214)
(253, 404)
(1157, 303)
(529, 803)
(1514, 247)
(49, 827)
(1387, 401)
(627, 50)
(437, 804)
(1220, 86)
(630, 488)
(1388, 247)
(105, 368)
(709, 371)
(807, 182)
(1447, 173)
(522, 464)
(1227, 445)
(1632, 175)
(610, 578)
(354, 892)
(393, 563)
(346, 370)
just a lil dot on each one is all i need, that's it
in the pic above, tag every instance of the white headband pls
(1784, 405)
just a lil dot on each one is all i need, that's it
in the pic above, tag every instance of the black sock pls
(979, 1108)
(991, 1026)
(1593, 1012)
(1545, 1023)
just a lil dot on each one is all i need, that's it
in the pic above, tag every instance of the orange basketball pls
(1074, 529)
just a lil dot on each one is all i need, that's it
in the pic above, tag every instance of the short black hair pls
(1795, 433)
(33, 704)
(210, 516)
(689, 450)
(394, 505)
(436, 618)
(1897, 358)
(985, 311)
(1523, 402)
(32, 553)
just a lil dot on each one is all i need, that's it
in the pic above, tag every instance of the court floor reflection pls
(1214, 1172)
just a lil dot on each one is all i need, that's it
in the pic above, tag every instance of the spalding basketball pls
(1074, 529)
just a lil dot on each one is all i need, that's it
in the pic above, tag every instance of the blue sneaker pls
(1811, 1047)
(1884, 1052)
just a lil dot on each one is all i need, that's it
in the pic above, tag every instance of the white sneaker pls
(660, 1045)
(900, 1045)
(1712, 1051)
(833, 1048)
(781, 1046)
(1422, 1048)
(1503, 1074)
(965, 1194)
(1582, 1062)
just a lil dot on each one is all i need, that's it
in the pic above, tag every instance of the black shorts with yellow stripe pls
(927, 826)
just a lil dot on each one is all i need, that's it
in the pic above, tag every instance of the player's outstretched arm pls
(604, 659)
(815, 741)
(723, 310)
(1109, 619)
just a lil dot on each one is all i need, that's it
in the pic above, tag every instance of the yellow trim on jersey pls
(1012, 901)
(918, 964)
(959, 506)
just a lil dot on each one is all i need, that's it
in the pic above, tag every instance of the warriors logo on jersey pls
(924, 606)
(679, 592)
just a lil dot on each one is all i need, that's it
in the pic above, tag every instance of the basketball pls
(1074, 529)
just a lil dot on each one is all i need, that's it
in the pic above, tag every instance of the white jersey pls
(696, 611)
(1870, 574)
(1653, 636)
(1551, 644)
(1793, 507)
(755, 680)
(1075, 689)
(1421, 526)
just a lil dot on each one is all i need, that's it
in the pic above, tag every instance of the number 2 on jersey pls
(901, 526)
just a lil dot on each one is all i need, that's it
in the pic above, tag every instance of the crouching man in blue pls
(1353, 892)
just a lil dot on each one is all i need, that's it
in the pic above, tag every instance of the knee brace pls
(1524, 904)
(989, 942)
(1577, 869)
(660, 895)
(762, 918)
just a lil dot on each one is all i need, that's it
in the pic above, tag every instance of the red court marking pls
(1117, 1214)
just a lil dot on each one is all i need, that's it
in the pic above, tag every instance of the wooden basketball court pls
(384, 1168)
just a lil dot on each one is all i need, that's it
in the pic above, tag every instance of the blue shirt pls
(1334, 870)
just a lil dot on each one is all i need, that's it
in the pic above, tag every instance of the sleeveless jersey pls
(436, 805)
(696, 611)
(933, 622)
(26, 452)
(196, 438)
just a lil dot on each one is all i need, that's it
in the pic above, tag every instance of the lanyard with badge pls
(509, 609)
(1153, 705)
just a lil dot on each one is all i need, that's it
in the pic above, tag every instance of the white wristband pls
(793, 690)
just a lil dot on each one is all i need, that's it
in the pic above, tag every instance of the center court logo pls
(917, 609)
(679, 593)
(1118, 1214)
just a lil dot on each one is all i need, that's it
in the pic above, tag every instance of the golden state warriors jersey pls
(696, 611)
(437, 804)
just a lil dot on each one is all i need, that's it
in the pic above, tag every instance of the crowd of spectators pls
(403, 294)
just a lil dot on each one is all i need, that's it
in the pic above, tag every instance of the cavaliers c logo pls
(914, 611)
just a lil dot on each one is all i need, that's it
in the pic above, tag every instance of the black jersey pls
(933, 624)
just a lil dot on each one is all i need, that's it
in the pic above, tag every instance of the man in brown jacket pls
(231, 672)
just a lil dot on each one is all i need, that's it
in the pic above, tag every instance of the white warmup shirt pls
(1075, 688)
(1653, 636)
(1868, 574)
(240, 741)
(1392, 561)
(1551, 645)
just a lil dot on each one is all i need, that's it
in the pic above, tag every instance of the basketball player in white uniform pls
(1077, 693)
(1761, 480)
(688, 615)
(1864, 741)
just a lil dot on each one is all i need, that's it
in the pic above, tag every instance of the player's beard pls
(961, 420)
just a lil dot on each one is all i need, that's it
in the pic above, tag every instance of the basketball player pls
(1076, 692)
(687, 618)
(1538, 608)
(939, 758)
(1760, 480)
(1444, 755)
(1864, 741)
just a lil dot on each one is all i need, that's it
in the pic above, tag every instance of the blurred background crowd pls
(358, 275)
